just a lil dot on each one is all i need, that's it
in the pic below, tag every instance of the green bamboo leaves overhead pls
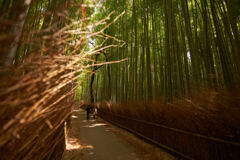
(26, 26)
(174, 47)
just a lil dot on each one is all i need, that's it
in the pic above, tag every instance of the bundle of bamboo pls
(38, 78)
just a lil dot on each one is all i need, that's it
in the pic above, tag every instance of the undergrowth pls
(209, 113)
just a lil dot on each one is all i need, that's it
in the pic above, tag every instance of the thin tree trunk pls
(17, 32)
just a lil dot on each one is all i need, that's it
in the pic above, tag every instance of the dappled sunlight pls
(87, 147)
(76, 110)
(95, 125)
(73, 116)
(72, 144)
(92, 120)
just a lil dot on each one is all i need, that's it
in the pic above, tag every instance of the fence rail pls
(186, 144)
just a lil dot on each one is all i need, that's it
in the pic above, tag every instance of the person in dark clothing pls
(88, 109)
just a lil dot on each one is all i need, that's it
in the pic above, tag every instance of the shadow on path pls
(91, 140)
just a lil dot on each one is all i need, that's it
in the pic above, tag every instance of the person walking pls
(88, 110)
(94, 112)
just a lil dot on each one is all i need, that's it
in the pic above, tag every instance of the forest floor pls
(99, 140)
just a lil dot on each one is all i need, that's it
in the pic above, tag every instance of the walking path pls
(96, 140)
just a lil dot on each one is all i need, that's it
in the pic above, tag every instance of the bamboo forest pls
(119, 79)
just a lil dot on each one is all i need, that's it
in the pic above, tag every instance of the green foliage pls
(174, 47)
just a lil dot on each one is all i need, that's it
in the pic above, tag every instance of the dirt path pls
(98, 140)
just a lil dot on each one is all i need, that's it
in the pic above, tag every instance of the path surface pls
(98, 140)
